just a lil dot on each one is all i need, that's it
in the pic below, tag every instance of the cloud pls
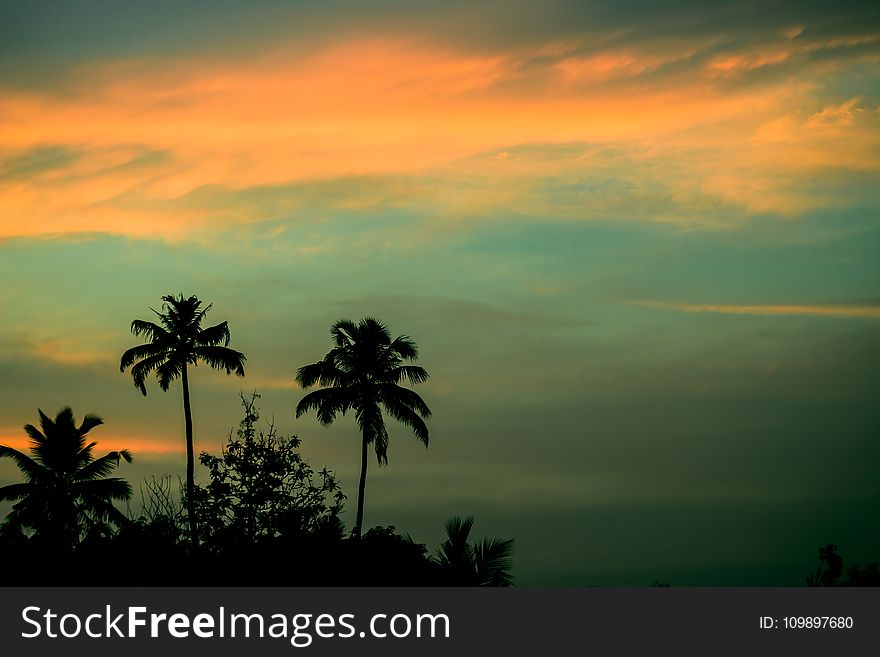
(836, 115)
(699, 121)
(36, 161)
(866, 311)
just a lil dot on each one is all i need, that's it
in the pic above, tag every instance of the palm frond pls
(141, 352)
(37, 437)
(308, 375)
(458, 529)
(373, 331)
(14, 492)
(326, 402)
(106, 512)
(493, 561)
(333, 372)
(167, 371)
(144, 368)
(112, 488)
(408, 417)
(89, 422)
(343, 332)
(221, 358)
(380, 443)
(182, 315)
(369, 418)
(455, 554)
(214, 335)
(405, 347)
(410, 373)
(46, 423)
(101, 467)
(29, 467)
(155, 333)
(405, 396)
(324, 372)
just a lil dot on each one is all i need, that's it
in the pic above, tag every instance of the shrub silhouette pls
(830, 569)
(260, 487)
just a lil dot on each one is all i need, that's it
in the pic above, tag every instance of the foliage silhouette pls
(363, 372)
(859, 575)
(175, 343)
(260, 487)
(67, 495)
(830, 569)
(484, 563)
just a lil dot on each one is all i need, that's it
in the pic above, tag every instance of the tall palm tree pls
(363, 372)
(176, 342)
(484, 563)
(66, 490)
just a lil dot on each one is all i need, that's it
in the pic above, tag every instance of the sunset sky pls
(637, 243)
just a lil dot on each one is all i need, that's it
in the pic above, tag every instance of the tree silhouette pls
(261, 487)
(66, 493)
(829, 569)
(363, 372)
(485, 563)
(178, 342)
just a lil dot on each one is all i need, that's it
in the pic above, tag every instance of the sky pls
(636, 242)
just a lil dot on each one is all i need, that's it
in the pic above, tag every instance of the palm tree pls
(485, 563)
(176, 342)
(66, 490)
(363, 371)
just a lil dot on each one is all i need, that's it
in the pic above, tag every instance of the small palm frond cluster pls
(66, 492)
(484, 563)
(363, 372)
(179, 340)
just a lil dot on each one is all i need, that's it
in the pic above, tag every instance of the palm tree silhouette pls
(363, 371)
(485, 563)
(181, 341)
(66, 491)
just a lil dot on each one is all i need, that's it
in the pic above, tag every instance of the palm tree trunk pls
(190, 463)
(359, 521)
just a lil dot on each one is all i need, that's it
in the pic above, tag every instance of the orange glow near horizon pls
(136, 445)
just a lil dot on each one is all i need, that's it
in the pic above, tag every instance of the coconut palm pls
(363, 372)
(66, 491)
(484, 563)
(175, 343)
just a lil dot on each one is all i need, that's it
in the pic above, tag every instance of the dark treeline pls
(264, 516)
(830, 571)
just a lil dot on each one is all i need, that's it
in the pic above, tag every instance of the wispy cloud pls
(157, 151)
(865, 311)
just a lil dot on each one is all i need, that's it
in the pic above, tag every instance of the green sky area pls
(601, 391)
(617, 443)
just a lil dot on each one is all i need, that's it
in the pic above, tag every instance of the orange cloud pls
(380, 107)
(70, 352)
(854, 311)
